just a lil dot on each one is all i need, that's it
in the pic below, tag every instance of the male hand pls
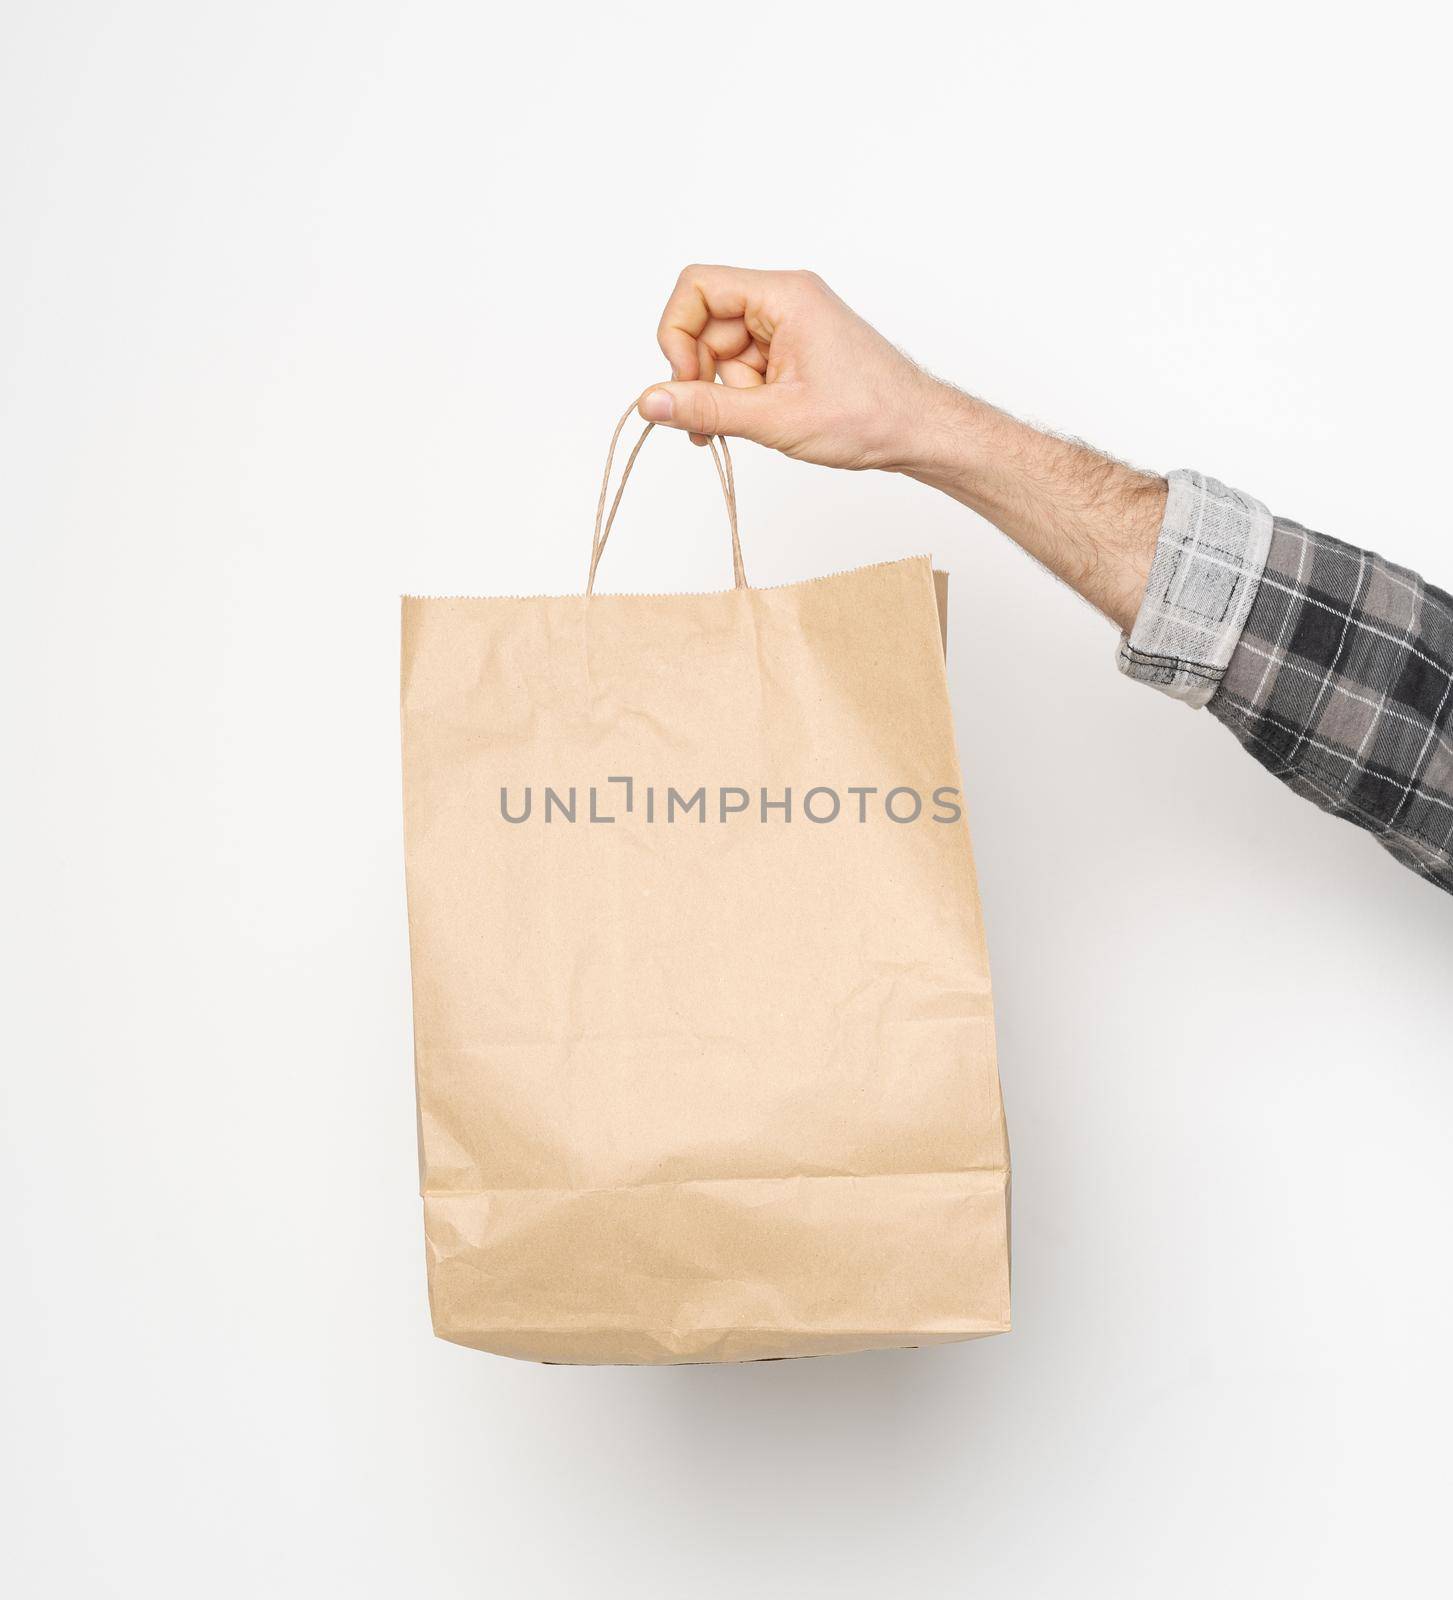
(799, 372)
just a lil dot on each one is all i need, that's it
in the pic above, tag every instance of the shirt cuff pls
(1204, 575)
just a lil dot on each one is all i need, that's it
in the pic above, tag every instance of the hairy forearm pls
(1091, 521)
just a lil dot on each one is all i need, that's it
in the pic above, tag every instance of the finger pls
(751, 355)
(740, 375)
(703, 293)
(724, 338)
(706, 373)
(707, 408)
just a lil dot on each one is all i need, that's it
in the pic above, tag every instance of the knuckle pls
(703, 411)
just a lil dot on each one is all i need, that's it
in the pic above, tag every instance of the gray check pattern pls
(1341, 685)
(1207, 562)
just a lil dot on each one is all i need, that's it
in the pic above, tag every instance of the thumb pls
(707, 408)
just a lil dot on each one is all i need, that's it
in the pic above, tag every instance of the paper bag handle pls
(604, 523)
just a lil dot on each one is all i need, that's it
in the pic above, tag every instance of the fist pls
(777, 358)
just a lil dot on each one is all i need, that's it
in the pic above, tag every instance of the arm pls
(802, 373)
(1332, 666)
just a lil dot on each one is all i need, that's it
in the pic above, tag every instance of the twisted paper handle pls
(605, 522)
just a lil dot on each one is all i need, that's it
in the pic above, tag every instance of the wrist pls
(947, 440)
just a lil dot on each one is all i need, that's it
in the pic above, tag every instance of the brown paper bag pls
(703, 1033)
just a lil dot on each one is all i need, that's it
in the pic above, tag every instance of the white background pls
(305, 305)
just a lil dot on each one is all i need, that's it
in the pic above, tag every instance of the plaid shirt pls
(1332, 666)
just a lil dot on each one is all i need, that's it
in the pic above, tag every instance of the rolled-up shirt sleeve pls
(1328, 663)
(1208, 560)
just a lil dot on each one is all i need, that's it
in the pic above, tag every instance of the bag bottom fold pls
(721, 1269)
